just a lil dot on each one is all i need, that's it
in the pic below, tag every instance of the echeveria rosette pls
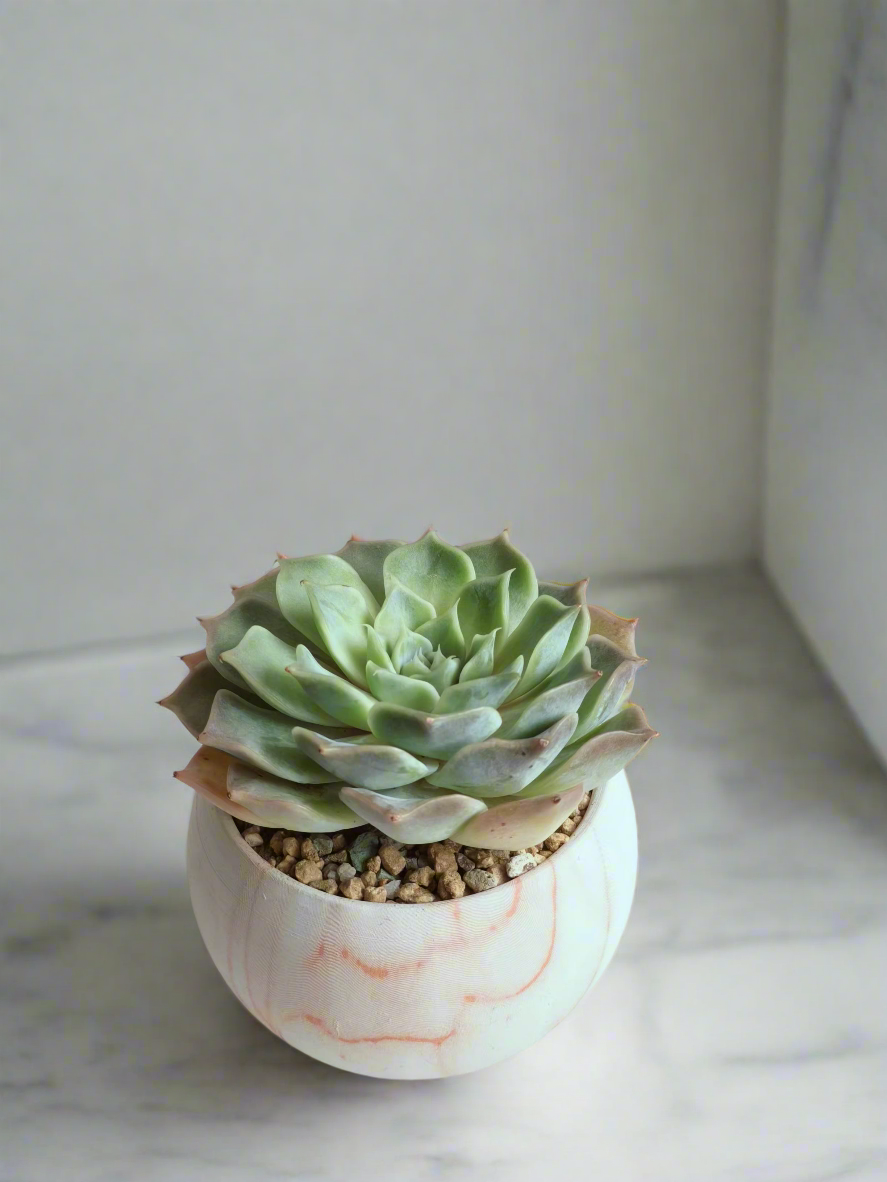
(431, 690)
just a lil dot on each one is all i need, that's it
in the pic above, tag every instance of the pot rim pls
(233, 833)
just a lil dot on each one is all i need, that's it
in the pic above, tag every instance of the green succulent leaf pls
(494, 557)
(571, 595)
(518, 822)
(416, 813)
(403, 609)
(192, 699)
(296, 574)
(441, 673)
(529, 717)
(481, 657)
(597, 759)
(403, 691)
(261, 659)
(444, 633)
(260, 737)
(340, 615)
(483, 607)
(254, 603)
(364, 764)
(345, 704)
(409, 646)
(541, 639)
(612, 627)
(481, 691)
(376, 650)
(436, 736)
(431, 568)
(280, 804)
(207, 774)
(503, 767)
(367, 559)
(607, 698)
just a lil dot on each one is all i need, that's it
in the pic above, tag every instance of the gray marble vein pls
(739, 1036)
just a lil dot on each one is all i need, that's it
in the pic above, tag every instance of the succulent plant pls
(431, 690)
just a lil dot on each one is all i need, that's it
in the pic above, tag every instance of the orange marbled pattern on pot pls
(414, 991)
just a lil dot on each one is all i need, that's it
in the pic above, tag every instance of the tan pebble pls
(352, 889)
(534, 849)
(308, 871)
(464, 862)
(520, 864)
(292, 847)
(449, 844)
(498, 872)
(253, 829)
(450, 885)
(568, 827)
(583, 802)
(338, 856)
(484, 860)
(480, 880)
(555, 841)
(444, 861)
(285, 865)
(423, 877)
(392, 859)
(253, 839)
(411, 892)
(374, 864)
(276, 841)
(309, 850)
(541, 856)
(376, 894)
(338, 842)
(270, 859)
(327, 885)
(331, 870)
(411, 862)
(368, 878)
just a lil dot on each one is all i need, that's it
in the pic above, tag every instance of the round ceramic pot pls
(415, 991)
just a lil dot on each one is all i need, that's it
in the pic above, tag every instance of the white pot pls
(415, 991)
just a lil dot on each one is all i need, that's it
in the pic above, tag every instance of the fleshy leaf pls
(435, 735)
(518, 822)
(483, 608)
(340, 614)
(207, 774)
(292, 590)
(441, 673)
(260, 737)
(481, 656)
(503, 767)
(192, 699)
(408, 646)
(494, 557)
(541, 639)
(612, 627)
(281, 804)
(571, 595)
(254, 603)
(261, 660)
(403, 609)
(365, 764)
(376, 650)
(480, 691)
(607, 698)
(526, 718)
(403, 691)
(596, 760)
(432, 568)
(367, 559)
(344, 703)
(192, 660)
(416, 813)
(444, 633)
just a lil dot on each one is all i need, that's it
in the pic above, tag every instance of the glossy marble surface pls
(740, 1034)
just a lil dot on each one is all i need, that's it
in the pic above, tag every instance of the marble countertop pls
(739, 1036)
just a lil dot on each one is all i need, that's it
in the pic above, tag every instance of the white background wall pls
(274, 272)
(826, 513)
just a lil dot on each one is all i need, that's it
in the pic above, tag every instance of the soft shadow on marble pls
(740, 1034)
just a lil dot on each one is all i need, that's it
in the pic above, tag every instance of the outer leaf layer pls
(414, 814)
